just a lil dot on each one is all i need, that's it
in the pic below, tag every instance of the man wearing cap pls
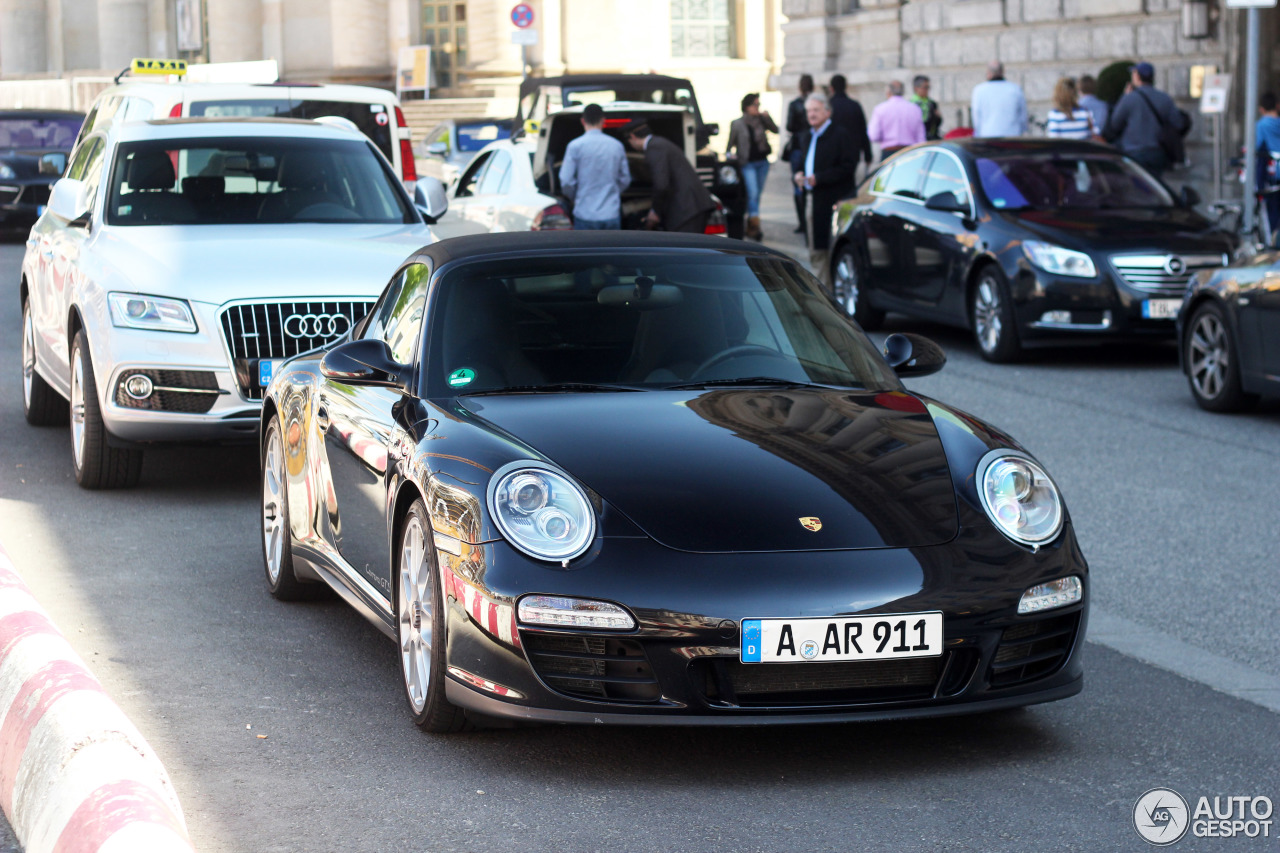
(680, 201)
(1145, 121)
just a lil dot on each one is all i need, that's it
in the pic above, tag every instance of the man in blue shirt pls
(998, 107)
(1268, 142)
(594, 174)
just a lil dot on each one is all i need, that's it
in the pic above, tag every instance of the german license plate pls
(842, 638)
(266, 368)
(1161, 309)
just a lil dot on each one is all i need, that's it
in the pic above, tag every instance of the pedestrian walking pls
(797, 126)
(822, 166)
(1089, 99)
(1267, 138)
(896, 123)
(998, 106)
(680, 201)
(749, 142)
(594, 174)
(1146, 124)
(1067, 119)
(848, 114)
(928, 107)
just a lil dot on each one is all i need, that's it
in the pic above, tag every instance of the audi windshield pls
(243, 180)
(1057, 180)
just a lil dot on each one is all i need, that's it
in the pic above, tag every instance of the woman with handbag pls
(749, 142)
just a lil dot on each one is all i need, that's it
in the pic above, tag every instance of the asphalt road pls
(160, 589)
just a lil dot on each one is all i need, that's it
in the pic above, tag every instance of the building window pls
(702, 28)
(444, 28)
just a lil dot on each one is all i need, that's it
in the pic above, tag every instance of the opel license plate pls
(842, 638)
(1161, 309)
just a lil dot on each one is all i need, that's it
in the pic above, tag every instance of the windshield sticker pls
(999, 202)
(462, 377)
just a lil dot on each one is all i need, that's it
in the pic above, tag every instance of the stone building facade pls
(1039, 41)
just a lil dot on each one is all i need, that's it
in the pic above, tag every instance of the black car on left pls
(1026, 242)
(34, 145)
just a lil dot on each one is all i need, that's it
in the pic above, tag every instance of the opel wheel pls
(991, 318)
(849, 288)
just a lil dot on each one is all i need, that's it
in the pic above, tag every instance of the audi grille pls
(272, 331)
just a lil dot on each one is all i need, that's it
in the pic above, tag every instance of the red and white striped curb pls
(75, 775)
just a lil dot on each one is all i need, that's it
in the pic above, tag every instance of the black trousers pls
(696, 225)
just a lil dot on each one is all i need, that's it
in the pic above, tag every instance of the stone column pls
(22, 37)
(273, 32)
(123, 30)
(235, 30)
(79, 25)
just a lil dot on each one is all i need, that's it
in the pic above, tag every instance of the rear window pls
(473, 137)
(374, 120)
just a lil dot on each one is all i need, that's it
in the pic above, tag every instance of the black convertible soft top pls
(578, 81)
(542, 243)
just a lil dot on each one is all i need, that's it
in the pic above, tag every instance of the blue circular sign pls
(522, 15)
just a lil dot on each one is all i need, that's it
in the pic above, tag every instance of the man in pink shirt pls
(896, 123)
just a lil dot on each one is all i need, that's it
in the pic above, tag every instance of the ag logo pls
(810, 522)
(1161, 816)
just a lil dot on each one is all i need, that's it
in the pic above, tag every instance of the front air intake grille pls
(1033, 650)
(1163, 275)
(279, 330)
(185, 391)
(755, 685)
(606, 669)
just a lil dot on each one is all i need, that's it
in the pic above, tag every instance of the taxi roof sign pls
(158, 66)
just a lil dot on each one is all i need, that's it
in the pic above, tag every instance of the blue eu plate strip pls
(751, 641)
(264, 372)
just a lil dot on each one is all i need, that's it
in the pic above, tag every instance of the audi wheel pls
(97, 464)
(41, 405)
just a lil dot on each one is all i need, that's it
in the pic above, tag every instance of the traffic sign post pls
(522, 17)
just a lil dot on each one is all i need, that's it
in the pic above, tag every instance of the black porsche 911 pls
(624, 477)
(1025, 242)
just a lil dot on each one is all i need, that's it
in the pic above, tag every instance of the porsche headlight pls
(137, 311)
(728, 175)
(1019, 497)
(6, 171)
(1058, 260)
(541, 511)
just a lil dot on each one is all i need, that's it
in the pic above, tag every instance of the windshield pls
(252, 180)
(1055, 180)
(473, 137)
(641, 321)
(39, 133)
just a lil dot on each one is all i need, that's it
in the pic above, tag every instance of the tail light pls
(408, 170)
(176, 111)
(552, 218)
(716, 222)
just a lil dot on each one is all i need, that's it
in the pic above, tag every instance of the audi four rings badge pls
(316, 325)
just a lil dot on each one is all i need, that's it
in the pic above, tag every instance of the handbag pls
(1170, 136)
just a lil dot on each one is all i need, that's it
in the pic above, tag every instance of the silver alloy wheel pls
(28, 355)
(77, 407)
(1210, 357)
(987, 325)
(415, 607)
(846, 284)
(273, 497)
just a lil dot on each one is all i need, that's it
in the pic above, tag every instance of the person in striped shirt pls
(1067, 119)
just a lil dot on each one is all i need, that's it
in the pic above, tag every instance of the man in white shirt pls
(594, 174)
(998, 106)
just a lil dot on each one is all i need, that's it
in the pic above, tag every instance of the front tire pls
(848, 286)
(991, 318)
(97, 464)
(1213, 369)
(420, 627)
(277, 548)
(41, 405)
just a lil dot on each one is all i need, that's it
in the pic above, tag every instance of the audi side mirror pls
(430, 198)
(364, 362)
(913, 355)
(69, 201)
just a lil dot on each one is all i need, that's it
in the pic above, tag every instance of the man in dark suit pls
(680, 201)
(822, 165)
(848, 114)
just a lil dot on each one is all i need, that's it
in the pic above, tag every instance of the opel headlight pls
(541, 511)
(7, 172)
(1019, 497)
(137, 311)
(1058, 260)
(728, 175)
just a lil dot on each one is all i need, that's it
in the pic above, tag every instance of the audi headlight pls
(728, 175)
(1019, 497)
(137, 311)
(6, 171)
(1058, 260)
(541, 511)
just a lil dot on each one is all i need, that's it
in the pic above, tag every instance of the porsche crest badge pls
(810, 522)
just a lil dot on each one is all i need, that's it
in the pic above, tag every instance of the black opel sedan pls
(34, 145)
(624, 477)
(1229, 334)
(1024, 241)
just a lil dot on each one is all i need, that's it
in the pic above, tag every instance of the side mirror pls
(363, 362)
(711, 129)
(438, 149)
(1189, 197)
(430, 198)
(913, 355)
(53, 163)
(68, 201)
(946, 202)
